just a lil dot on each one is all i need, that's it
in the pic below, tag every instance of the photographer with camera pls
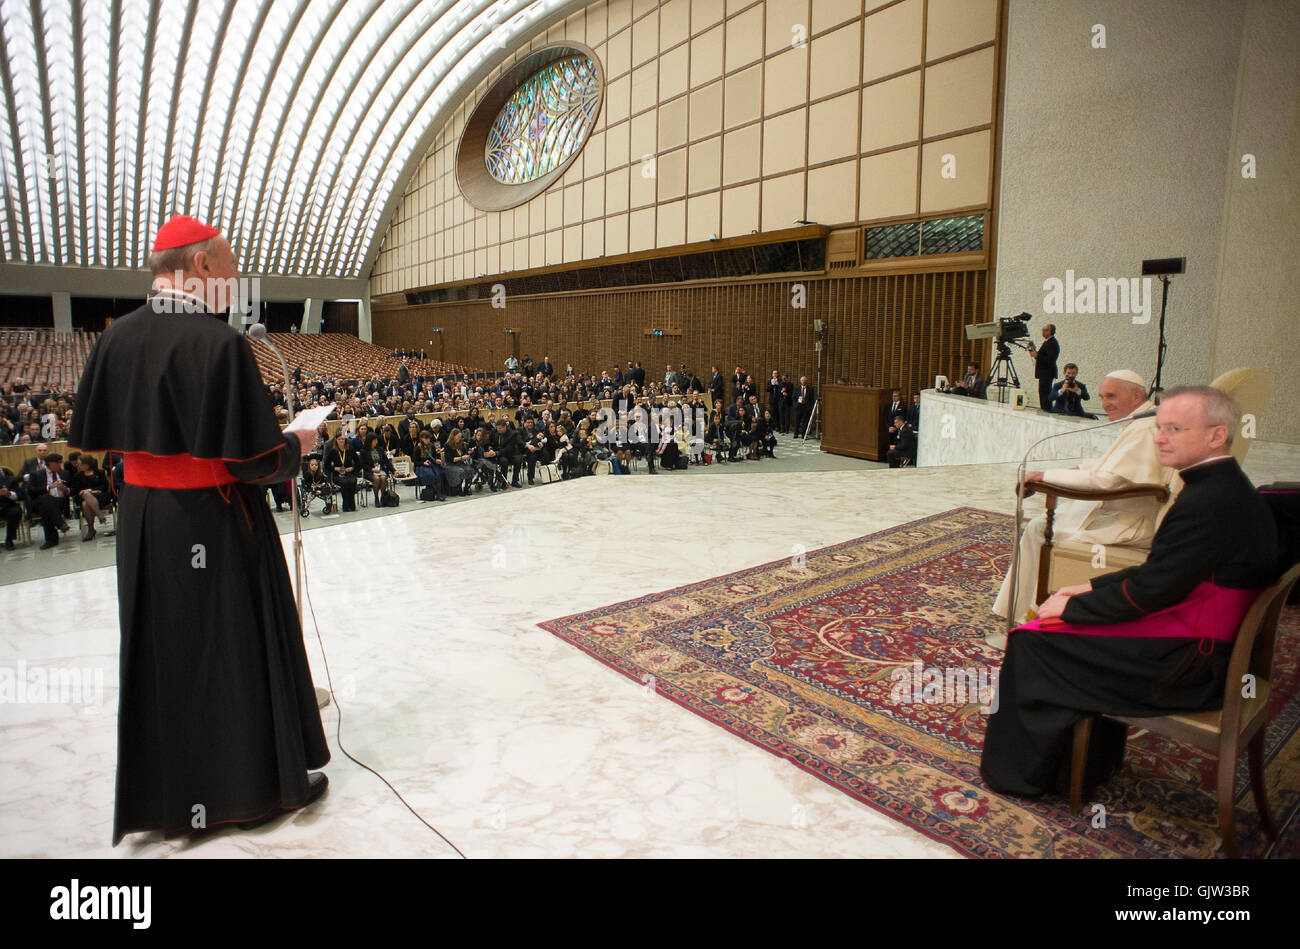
(1069, 394)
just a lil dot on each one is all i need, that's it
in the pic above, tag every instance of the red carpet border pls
(865, 665)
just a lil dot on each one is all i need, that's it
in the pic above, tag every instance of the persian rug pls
(865, 665)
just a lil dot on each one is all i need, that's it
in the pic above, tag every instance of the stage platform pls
(511, 742)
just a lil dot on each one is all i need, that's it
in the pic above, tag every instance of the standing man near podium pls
(217, 716)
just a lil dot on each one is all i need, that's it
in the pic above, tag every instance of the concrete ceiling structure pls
(292, 125)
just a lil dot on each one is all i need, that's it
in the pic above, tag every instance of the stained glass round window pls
(544, 122)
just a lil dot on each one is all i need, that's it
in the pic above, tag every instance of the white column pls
(62, 312)
(365, 331)
(311, 310)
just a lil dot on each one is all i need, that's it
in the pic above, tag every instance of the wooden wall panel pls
(881, 330)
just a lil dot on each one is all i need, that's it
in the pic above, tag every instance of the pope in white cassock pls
(1132, 460)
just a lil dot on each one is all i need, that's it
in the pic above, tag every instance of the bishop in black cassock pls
(1148, 640)
(217, 715)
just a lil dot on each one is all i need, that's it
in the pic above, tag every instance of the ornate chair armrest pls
(1052, 491)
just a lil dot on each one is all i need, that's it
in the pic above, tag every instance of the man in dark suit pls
(32, 465)
(47, 495)
(403, 374)
(10, 508)
(737, 381)
(972, 384)
(545, 368)
(638, 377)
(506, 450)
(902, 447)
(1045, 357)
(716, 386)
(895, 407)
(914, 413)
(804, 397)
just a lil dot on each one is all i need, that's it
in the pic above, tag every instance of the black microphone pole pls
(1020, 503)
(258, 332)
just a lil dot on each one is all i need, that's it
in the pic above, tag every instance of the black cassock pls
(1218, 531)
(217, 713)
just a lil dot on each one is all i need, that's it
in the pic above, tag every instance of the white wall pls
(1113, 155)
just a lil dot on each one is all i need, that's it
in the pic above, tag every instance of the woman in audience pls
(768, 442)
(322, 441)
(484, 469)
(715, 436)
(554, 444)
(376, 465)
(428, 472)
(343, 465)
(667, 451)
(389, 440)
(90, 486)
(456, 462)
(410, 440)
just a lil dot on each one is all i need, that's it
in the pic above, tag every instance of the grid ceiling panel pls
(286, 123)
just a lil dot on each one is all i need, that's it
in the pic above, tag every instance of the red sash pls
(177, 472)
(1209, 612)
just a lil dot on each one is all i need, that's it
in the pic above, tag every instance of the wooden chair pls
(1223, 733)
(1051, 492)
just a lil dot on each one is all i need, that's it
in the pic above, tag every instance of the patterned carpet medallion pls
(865, 665)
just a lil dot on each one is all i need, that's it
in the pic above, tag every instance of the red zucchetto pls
(182, 230)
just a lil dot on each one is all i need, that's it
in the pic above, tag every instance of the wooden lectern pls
(851, 421)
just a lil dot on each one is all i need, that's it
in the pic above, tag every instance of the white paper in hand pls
(308, 420)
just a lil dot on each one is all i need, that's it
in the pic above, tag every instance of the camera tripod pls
(1003, 372)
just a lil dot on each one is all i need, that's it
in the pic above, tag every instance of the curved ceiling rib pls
(292, 125)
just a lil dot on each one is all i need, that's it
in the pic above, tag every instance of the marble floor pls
(509, 741)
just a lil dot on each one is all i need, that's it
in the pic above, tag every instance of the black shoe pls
(90, 535)
(63, 527)
(514, 484)
(9, 545)
(316, 785)
(50, 543)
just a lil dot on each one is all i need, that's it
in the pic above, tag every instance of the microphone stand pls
(258, 332)
(1020, 503)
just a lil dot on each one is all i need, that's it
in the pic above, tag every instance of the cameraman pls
(1069, 394)
(1045, 357)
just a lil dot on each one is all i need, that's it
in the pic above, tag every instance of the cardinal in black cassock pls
(217, 715)
(1148, 640)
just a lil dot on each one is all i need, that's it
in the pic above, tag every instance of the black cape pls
(217, 717)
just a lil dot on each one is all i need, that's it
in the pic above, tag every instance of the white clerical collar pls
(1204, 462)
(172, 300)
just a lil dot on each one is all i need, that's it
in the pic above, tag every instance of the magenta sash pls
(1209, 612)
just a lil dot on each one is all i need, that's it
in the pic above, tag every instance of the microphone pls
(1020, 502)
(257, 332)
